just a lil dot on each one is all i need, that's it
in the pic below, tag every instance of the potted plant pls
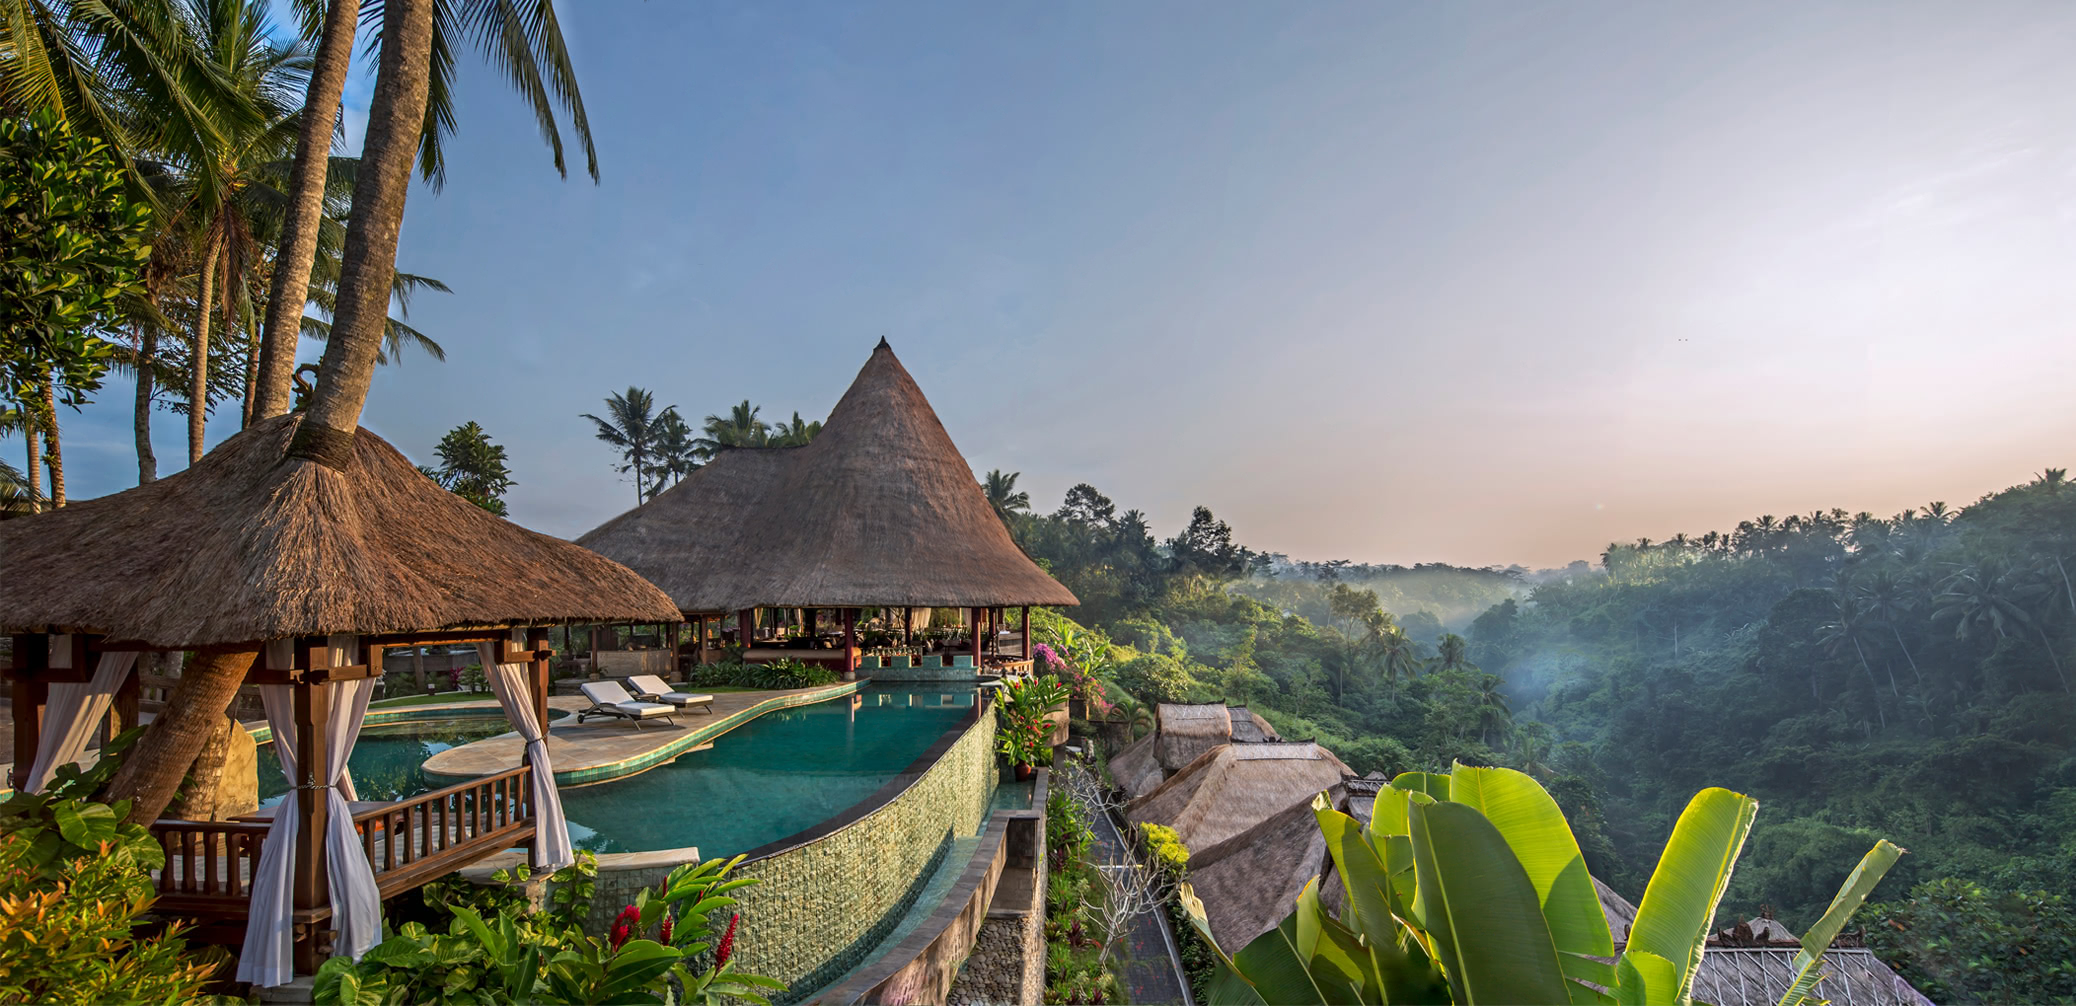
(1024, 726)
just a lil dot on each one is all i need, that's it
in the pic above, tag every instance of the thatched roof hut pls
(879, 510)
(1232, 787)
(1136, 769)
(1249, 882)
(1187, 731)
(1250, 728)
(243, 547)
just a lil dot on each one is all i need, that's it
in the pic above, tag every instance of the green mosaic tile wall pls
(824, 906)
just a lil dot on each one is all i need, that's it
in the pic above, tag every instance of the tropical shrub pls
(1023, 728)
(1074, 963)
(659, 949)
(1957, 941)
(74, 879)
(1155, 678)
(775, 675)
(1164, 849)
(1469, 888)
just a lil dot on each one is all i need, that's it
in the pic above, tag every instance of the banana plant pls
(1468, 887)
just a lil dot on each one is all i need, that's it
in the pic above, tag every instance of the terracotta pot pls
(1024, 773)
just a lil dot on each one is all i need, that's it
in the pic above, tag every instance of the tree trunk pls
(368, 262)
(153, 769)
(51, 447)
(198, 367)
(147, 354)
(33, 471)
(289, 290)
(252, 348)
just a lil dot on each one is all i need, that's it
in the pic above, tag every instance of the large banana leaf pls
(1402, 971)
(1851, 895)
(1535, 830)
(1645, 979)
(1433, 784)
(1681, 900)
(1481, 910)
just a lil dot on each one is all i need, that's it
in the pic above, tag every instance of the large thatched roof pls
(1250, 881)
(245, 546)
(880, 510)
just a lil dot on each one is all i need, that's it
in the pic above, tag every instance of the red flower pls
(727, 947)
(623, 926)
(667, 920)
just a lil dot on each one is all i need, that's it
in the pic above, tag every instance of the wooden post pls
(808, 621)
(745, 626)
(850, 642)
(1026, 642)
(537, 677)
(976, 638)
(908, 626)
(312, 888)
(28, 693)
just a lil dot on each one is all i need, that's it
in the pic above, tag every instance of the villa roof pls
(1232, 787)
(1248, 882)
(245, 546)
(1136, 768)
(879, 510)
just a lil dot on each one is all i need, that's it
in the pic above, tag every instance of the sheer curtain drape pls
(70, 715)
(508, 681)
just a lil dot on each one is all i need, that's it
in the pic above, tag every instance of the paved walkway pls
(607, 748)
(1152, 970)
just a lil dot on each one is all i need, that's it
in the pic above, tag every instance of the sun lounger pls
(650, 688)
(609, 699)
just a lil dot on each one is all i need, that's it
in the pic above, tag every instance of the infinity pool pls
(777, 775)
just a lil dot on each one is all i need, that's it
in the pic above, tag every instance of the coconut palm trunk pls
(286, 294)
(32, 472)
(152, 772)
(147, 354)
(54, 455)
(198, 367)
(367, 264)
(162, 756)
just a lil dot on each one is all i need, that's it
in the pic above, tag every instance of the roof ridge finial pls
(882, 343)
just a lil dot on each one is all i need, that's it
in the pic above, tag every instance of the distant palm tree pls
(1847, 624)
(794, 434)
(676, 452)
(1401, 655)
(1003, 495)
(1454, 653)
(634, 428)
(741, 428)
(1493, 711)
(1888, 599)
(1987, 594)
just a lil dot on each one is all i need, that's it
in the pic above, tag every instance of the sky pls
(1471, 283)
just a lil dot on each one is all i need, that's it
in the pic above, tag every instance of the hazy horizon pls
(1391, 283)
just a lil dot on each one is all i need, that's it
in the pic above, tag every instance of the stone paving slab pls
(610, 748)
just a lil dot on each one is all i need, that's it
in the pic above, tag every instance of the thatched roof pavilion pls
(879, 510)
(318, 566)
(1249, 881)
(243, 548)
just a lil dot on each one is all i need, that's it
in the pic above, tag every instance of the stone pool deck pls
(606, 748)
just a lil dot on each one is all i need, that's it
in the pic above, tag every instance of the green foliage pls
(1155, 678)
(472, 467)
(1023, 724)
(1074, 968)
(72, 244)
(776, 674)
(1165, 851)
(1960, 942)
(1468, 888)
(663, 948)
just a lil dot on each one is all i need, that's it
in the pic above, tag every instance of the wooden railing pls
(419, 838)
(210, 864)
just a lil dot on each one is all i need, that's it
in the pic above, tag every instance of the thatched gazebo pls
(319, 569)
(879, 510)
(1233, 787)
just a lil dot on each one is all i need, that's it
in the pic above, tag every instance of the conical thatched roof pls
(880, 510)
(245, 547)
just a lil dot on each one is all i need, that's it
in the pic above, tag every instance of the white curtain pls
(70, 715)
(551, 841)
(268, 956)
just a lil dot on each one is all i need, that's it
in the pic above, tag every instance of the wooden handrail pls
(373, 813)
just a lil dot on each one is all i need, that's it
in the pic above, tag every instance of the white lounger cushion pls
(654, 687)
(609, 693)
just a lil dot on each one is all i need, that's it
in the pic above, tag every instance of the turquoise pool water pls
(387, 760)
(780, 774)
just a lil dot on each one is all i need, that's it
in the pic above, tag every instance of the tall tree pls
(325, 436)
(677, 450)
(740, 428)
(794, 434)
(523, 41)
(1004, 496)
(634, 428)
(472, 467)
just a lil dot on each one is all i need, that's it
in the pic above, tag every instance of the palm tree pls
(1454, 653)
(1986, 593)
(1847, 624)
(634, 428)
(1003, 495)
(1888, 599)
(1400, 654)
(19, 494)
(396, 115)
(1493, 711)
(523, 41)
(794, 434)
(741, 428)
(676, 453)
